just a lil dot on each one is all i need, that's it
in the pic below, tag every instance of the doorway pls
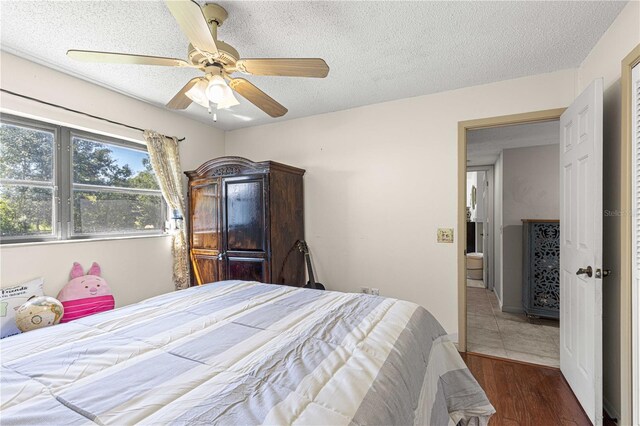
(463, 128)
(515, 315)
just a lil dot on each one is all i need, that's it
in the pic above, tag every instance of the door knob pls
(602, 273)
(588, 270)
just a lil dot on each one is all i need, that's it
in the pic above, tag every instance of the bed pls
(240, 353)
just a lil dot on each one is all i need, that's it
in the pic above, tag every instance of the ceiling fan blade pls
(181, 100)
(305, 67)
(193, 24)
(257, 97)
(125, 58)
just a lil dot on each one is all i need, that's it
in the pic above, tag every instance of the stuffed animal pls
(85, 294)
(38, 312)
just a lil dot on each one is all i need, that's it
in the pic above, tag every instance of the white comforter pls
(242, 353)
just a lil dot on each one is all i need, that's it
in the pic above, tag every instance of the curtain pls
(165, 160)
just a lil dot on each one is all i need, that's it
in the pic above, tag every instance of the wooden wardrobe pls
(245, 219)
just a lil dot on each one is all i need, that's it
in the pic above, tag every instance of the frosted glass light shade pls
(229, 101)
(217, 90)
(197, 93)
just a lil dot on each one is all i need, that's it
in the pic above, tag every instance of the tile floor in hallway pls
(493, 332)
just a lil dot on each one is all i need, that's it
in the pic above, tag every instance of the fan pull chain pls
(215, 115)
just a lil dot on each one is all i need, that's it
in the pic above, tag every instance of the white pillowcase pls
(11, 299)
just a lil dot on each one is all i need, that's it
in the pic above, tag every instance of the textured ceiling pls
(377, 51)
(484, 145)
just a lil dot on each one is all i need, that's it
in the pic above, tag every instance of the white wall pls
(135, 268)
(531, 191)
(604, 60)
(382, 178)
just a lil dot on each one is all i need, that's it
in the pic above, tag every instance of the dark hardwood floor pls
(526, 394)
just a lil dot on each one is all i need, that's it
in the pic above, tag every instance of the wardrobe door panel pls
(206, 268)
(205, 221)
(245, 214)
(205, 215)
(247, 269)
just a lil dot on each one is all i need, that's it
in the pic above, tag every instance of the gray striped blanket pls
(240, 353)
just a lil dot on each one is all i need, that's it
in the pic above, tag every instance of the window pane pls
(97, 212)
(26, 211)
(99, 163)
(25, 154)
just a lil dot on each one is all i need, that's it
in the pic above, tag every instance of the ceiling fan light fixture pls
(217, 90)
(198, 93)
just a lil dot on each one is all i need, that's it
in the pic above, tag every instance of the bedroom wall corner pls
(135, 268)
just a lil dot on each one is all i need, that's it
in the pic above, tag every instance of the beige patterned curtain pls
(165, 159)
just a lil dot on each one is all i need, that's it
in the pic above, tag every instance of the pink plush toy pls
(85, 294)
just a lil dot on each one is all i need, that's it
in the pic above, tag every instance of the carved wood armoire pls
(245, 219)
(541, 268)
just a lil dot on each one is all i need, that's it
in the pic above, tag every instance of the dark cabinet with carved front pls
(244, 221)
(541, 268)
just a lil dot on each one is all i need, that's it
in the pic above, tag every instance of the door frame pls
(490, 219)
(628, 327)
(463, 127)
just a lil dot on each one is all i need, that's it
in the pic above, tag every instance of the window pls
(27, 190)
(59, 183)
(113, 189)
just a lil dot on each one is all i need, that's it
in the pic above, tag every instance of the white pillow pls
(11, 299)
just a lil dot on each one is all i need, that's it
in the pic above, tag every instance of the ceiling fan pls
(217, 59)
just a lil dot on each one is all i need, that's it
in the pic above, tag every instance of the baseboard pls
(512, 309)
(610, 409)
(498, 297)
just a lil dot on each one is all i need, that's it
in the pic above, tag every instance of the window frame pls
(63, 185)
(55, 171)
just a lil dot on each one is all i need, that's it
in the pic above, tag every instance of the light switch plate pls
(445, 235)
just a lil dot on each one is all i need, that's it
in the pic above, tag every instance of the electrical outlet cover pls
(445, 235)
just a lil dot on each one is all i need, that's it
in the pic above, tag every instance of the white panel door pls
(581, 249)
